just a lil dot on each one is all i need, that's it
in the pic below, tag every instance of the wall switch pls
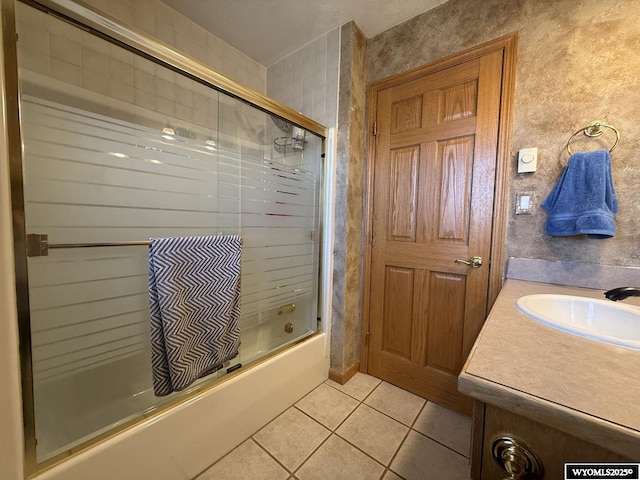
(527, 160)
(524, 203)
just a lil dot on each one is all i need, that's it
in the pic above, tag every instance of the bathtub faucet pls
(622, 292)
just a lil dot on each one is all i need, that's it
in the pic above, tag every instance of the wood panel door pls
(433, 181)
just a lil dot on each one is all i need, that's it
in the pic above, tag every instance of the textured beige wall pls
(577, 62)
(353, 293)
(346, 308)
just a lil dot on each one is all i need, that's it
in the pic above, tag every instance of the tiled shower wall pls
(307, 80)
(156, 19)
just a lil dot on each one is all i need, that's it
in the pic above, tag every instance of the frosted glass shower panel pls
(119, 149)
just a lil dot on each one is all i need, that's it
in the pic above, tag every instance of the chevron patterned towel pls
(194, 299)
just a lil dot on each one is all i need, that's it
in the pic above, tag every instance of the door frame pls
(497, 260)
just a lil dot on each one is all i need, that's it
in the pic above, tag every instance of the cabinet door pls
(552, 447)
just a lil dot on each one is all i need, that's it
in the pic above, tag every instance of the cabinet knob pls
(516, 459)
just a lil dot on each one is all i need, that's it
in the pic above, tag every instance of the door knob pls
(475, 262)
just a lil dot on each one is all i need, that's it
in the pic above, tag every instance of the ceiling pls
(268, 30)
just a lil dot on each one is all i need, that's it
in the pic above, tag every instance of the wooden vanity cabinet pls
(552, 447)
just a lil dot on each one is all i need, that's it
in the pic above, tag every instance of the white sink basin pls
(601, 320)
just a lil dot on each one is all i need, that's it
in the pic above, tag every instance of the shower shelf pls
(288, 144)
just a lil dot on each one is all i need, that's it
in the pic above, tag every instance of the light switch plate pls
(528, 160)
(524, 203)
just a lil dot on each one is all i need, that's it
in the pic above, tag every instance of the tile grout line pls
(269, 453)
(292, 472)
(405, 439)
(428, 436)
(440, 443)
(348, 394)
(386, 468)
(334, 431)
(362, 402)
(331, 431)
(262, 447)
(410, 427)
(315, 449)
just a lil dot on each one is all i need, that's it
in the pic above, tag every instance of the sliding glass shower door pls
(118, 149)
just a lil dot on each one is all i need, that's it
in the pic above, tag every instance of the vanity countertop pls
(586, 388)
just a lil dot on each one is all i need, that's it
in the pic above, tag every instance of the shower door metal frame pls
(13, 144)
(109, 29)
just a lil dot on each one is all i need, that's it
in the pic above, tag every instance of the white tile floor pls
(364, 430)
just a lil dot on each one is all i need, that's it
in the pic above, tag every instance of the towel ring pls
(595, 129)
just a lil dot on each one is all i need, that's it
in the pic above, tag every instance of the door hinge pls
(366, 339)
(371, 236)
(375, 129)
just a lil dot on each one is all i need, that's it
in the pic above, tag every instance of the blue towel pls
(194, 299)
(583, 201)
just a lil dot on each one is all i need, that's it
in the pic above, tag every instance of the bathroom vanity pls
(548, 397)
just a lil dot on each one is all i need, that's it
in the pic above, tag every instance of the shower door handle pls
(475, 262)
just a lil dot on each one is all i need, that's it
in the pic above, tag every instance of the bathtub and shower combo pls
(156, 146)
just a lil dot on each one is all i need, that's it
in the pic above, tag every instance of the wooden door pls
(433, 181)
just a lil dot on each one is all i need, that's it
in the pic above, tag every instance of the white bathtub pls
(183, 441)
